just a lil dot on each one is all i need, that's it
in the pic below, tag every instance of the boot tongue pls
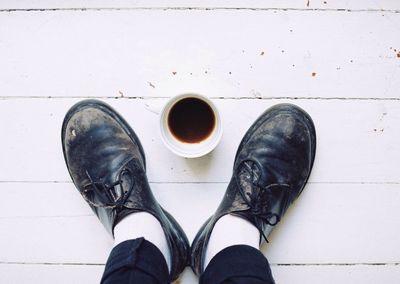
(123, 182)
(256, 196)
(249, 175)
(123, 185)
(110, 190)
(266, 200)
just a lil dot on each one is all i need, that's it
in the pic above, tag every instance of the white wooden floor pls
(339, 60)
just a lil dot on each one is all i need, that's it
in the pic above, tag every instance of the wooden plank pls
(54, 240)
(359, 274)
(58, 200)
(329, 224)
(221, 53)
(312, 274)
(60, 274)
(339, 222)
(356, 140)
(284, 4)
(40, 200)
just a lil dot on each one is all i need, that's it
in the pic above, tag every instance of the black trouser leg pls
(238, 264)
(136, 261)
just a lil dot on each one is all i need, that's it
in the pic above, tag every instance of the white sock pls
(143, 224)
(229, 231)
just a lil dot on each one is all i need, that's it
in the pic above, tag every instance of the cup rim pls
(216, 134)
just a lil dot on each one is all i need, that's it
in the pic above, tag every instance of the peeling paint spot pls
(256, 94)
(382, 116)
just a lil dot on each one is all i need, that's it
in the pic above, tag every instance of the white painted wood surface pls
(203, 4)
(343, 229)
(107, 53)
(356, 139)
(326, 225)
(37, 273)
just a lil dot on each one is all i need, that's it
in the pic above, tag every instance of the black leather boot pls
(271, 168)
(107, 165)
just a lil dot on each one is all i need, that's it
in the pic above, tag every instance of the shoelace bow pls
(107, 194)
(258, 201)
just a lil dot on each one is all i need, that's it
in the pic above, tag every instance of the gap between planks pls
(205, 9)
(272, 264)
(205, 182)
(211, 97)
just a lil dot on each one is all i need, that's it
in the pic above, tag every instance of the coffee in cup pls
(190, 125)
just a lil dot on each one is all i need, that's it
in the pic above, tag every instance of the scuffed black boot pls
(107, 165)
(271, 168)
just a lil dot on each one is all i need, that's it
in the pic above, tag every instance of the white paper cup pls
(185, 149)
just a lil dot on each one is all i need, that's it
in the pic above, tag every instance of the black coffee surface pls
(191, 120)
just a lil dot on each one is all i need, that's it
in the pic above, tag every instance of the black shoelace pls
(100, 194)
(258, 199)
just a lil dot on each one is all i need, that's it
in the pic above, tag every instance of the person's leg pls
(140, 253)
(271, 168)
(136, 261)
(107, 165)
(240, 264)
